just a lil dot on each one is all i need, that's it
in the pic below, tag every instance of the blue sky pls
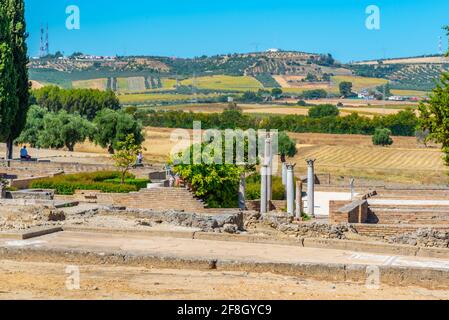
(188, 28)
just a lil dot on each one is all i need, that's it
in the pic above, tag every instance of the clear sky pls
(188, 28)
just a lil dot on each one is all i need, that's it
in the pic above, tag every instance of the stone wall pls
(25, 183)
(29, 168)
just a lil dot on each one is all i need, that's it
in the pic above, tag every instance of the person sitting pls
(140, 159)
(24, 154)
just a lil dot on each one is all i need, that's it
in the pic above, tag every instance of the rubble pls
(427, 238)
(284, 224)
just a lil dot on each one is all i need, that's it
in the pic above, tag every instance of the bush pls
(314, 94)
(382, 137)
(322, 111)
(104, 181)
(139, 183)
(253, 188)
(286, 145)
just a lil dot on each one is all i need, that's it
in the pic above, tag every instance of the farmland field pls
(414, 93)
(221, 82)
(359, 83)
(36, 84)
(349, 155)
(163, 97)
(99, 84)
(278, 109)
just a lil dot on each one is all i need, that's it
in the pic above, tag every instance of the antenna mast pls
(47, 45)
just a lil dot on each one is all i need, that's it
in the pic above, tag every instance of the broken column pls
(290, 189)
(242, 192)
(284, 170)
(263, 189)
(2, 190)
(311, 187)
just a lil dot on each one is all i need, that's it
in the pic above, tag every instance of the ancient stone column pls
(269, 163)
(299, 204)
(311, 187)
(284, 174)
(352, 183)
(290, 190)
(242, 192)
(2, 191)
(263, 190)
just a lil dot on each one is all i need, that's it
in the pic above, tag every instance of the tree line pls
(86, 102)
(56, 130)
(403, 123)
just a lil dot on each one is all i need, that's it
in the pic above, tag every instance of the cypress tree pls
(16, 15)
(8, 78)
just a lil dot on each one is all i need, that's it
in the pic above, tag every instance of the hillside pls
(294, 72)
(64, 71)
(414, 73)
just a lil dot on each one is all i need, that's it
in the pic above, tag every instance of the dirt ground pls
(26, 280)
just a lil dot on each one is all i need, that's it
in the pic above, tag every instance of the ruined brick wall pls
(408, 214)
(24, 168)
(162, 199)
(335, 216)
(348, 212)
(275, 205)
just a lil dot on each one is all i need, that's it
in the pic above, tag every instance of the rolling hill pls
(294, 72)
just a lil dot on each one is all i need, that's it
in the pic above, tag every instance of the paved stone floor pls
(207, 249)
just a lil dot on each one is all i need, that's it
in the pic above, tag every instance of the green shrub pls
(325, 110)
(382, 137)
(139, 183)
(253, 188)
(104, 181)
(314, 94)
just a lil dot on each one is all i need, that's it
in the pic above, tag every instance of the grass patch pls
(104, 181)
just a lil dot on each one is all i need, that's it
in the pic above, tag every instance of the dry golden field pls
(283, 109)
(339, 155)
(98, 84)
(355, 155)
(36, 85)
